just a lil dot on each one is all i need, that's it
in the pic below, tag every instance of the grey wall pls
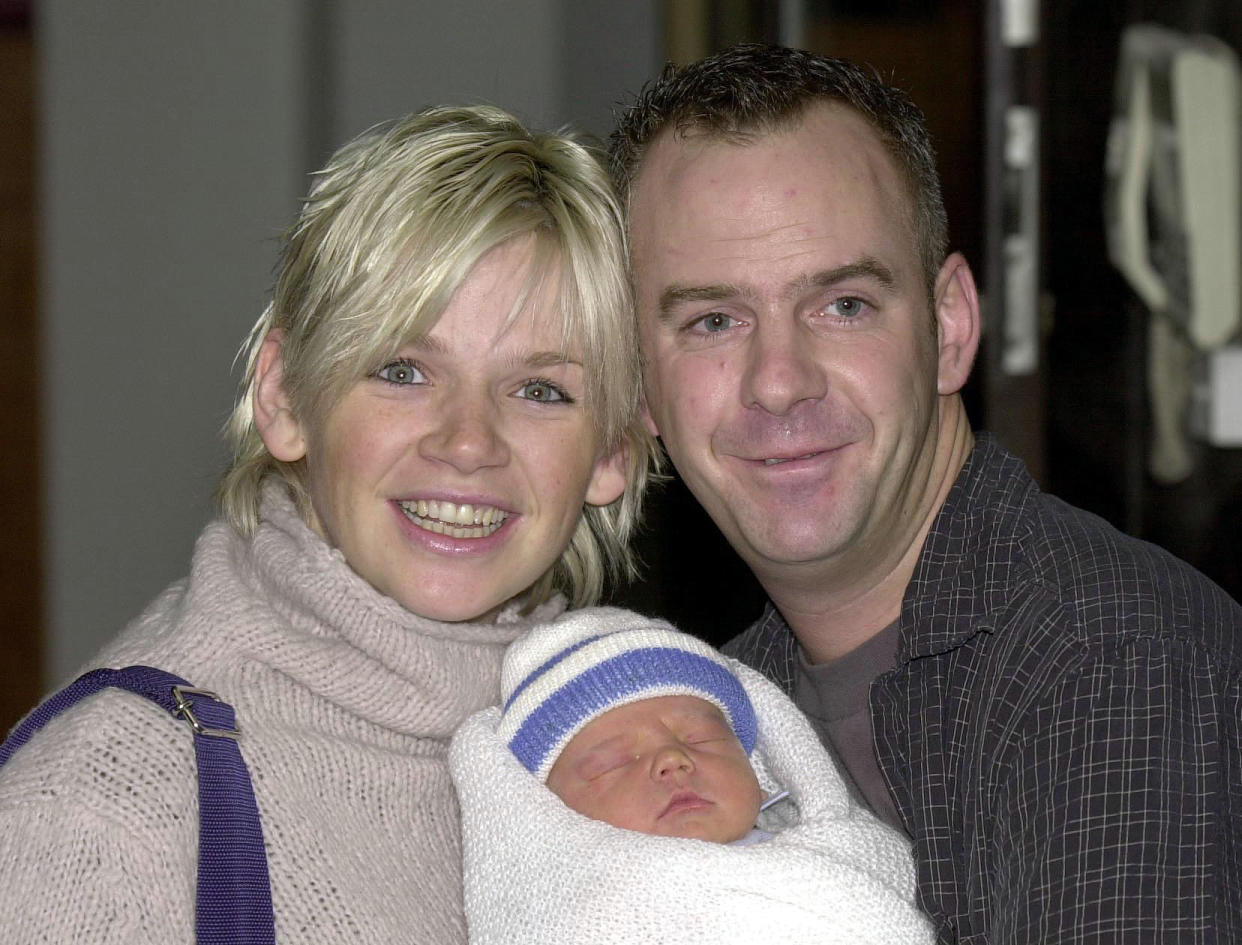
(175, 142)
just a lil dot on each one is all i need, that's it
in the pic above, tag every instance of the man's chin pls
(791, 540)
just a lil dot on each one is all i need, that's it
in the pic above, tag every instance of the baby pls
(643, 728)
(609, 719)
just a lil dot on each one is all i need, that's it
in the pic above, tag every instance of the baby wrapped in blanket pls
(615, 797)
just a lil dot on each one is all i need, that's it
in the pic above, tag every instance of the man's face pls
(669, 766)
(791, 354)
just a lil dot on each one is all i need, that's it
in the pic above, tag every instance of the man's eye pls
(401, 372)
(544, 391)
(846, 307)
(713, 322)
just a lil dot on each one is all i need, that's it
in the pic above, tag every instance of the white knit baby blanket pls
(537, 872)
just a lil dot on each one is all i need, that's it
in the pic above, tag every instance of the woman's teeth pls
(456, 521)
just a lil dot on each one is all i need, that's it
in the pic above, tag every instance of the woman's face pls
(453, 477)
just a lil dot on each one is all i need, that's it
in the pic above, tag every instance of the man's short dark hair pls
(753, 89)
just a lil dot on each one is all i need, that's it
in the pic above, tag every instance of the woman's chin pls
(452, 605)
(451, 588)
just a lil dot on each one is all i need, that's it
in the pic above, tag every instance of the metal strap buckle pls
(185, 709)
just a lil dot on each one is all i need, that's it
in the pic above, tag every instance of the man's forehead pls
(677, 147)
(800, 199)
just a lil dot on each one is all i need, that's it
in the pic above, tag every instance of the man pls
(1048, 708)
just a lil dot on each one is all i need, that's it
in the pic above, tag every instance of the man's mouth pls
(453, 520)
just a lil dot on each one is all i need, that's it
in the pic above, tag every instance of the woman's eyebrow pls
(547, 359)
(425, 343)
(533, 359)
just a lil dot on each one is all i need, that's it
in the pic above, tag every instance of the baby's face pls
(669, 766)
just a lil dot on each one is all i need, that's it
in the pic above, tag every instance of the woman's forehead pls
(522, 302)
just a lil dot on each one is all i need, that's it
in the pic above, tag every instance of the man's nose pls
(467, 434)
(781, 368)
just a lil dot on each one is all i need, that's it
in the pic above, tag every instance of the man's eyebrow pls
(868, 267)
(676, 295)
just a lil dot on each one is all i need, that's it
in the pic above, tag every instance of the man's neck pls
(833, 610)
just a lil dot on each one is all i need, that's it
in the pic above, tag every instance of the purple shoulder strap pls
(234, 893)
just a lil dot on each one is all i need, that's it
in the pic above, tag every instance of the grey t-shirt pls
(834, 696)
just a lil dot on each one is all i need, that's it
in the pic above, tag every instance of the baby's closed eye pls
(704, 738)
(705, 732)
(598, 765)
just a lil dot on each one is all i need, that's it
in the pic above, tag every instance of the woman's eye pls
(544, 392)
(400, 372)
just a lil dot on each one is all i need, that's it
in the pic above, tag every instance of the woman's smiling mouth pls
(454, 520)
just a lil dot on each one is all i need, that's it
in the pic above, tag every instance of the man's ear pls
(957, 321)
(610, 477)
(279, 429)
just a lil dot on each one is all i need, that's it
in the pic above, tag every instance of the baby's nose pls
(671, 761)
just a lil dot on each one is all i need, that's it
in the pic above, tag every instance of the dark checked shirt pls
(1061, 731)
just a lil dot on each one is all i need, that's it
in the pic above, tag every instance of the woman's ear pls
(278, 427)
(957, 323)
(610, 477)
(645, 413)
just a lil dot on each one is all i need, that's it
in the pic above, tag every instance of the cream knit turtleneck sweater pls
(346, 702)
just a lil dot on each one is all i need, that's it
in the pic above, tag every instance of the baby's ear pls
(278, 426)
(769, 781)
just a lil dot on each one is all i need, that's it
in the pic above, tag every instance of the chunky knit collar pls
(285, 601)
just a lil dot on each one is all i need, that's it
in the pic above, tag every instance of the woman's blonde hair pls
(392, 227)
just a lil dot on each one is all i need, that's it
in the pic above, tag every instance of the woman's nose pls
(467, 435)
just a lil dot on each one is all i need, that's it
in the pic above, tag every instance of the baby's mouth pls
(683, 801)
(452, 519)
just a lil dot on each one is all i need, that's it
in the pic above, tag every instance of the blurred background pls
(152, 152)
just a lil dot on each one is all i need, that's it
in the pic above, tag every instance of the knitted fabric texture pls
(558, 678)
(346, 703)
(538, 872)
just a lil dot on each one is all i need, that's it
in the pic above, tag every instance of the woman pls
(436, 445)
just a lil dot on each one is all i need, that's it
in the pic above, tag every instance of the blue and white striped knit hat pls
(560, 676)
